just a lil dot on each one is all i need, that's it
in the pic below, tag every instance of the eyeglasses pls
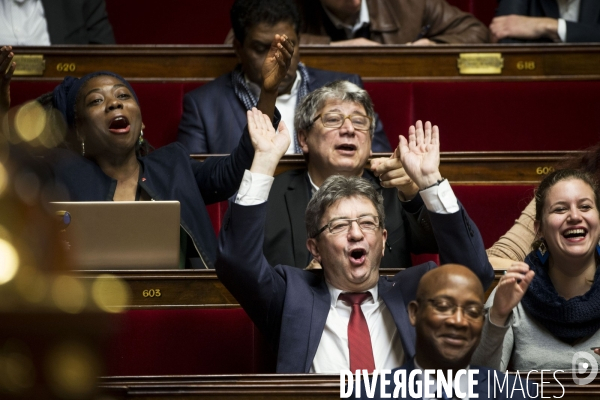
(336, 120)
(447, 308)
(366, 223)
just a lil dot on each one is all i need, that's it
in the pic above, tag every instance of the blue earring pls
(598, 248)
(542, 252)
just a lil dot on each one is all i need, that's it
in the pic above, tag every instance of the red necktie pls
(359, 339)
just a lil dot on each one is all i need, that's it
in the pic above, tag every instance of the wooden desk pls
(162, 289)
(289, 387)
(385, 63)
(490, 167)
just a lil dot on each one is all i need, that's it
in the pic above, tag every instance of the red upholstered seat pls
(511, 115)
(493, 208)
(484, 10)
(393, 103)
(176, 22)
(188, 342)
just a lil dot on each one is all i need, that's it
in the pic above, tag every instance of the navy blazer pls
(587, 29)
(481, 388)
(290, 305)
(78, 22)
(213, 116)
(167, 173)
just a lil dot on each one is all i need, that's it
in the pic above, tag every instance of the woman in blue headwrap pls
(105, 128)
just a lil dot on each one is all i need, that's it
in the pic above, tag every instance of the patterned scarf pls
(243, 92)
(568, 320)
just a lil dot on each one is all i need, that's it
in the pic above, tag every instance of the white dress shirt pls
(332, 354)
(23, 23)
(568, 11)
(286, 104)
(363, 19)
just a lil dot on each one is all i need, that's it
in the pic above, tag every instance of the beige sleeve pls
(516, 243)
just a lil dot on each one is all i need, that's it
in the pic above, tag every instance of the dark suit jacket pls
(213, 117)
(408, 226)
(586, 30)
(290, 305)
(484, 376)
(78, 22)
(397, 22)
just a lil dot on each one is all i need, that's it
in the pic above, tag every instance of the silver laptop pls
(105, 235)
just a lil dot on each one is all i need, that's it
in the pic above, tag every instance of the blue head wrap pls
(64, 95)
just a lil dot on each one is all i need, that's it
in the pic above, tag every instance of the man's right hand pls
(356, 42)
(269, 146)
(523, 27)
(7, 68)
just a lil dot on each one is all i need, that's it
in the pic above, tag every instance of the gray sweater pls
(524, 344)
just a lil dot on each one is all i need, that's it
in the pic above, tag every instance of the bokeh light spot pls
(9, 261)
(30, 121)
(110, 293)
(68, 294)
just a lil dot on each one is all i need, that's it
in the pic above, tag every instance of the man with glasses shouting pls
(344, 316)
(335, 128)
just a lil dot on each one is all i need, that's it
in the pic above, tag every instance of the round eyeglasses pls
(336, 120)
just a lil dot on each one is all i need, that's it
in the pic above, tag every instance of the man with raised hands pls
(344, 316)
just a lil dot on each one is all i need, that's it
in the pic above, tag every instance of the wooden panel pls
(291, 387)
(186, 288)
(382, 63)
(472, 167)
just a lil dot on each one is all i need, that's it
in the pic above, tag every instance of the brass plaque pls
(30, 64)
(480, 63)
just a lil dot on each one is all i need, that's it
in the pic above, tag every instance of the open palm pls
(420, 155)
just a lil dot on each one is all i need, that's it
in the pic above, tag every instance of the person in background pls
(564, 21)
(372, 22)
(448, 317)
(48, 22)
(546, 310)
(516, 243)
(335, 128)
(107, 158)
(214, 115)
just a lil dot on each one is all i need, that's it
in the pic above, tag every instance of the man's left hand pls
(391, 173)
(277, 62)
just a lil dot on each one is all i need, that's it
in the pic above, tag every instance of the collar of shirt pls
(363, 19)
(463, 383)
(569, 9)
(314, 188)
(335, 293)
(255, 89)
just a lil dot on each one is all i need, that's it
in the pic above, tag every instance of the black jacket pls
(408, 226)
(78, 22)
(587, 29)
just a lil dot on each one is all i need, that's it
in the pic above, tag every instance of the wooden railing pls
(486, 167)
(381, 63)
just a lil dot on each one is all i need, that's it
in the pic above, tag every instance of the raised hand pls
(277, 62)
(269, 146)
(509, 292)
(391, 173)
(420, 155)
(7, 68)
